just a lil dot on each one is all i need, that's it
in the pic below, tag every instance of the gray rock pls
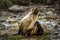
(55, 33)
(7, 27)
(17, 8)
(49, 13)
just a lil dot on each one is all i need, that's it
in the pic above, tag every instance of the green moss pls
(6, 3)
(21, 37)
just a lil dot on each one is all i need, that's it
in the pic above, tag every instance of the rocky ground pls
(49, 17)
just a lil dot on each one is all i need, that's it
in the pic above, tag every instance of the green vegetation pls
(6, 3)
(21, 37)
(38, 1)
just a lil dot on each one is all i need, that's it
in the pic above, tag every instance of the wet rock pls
(14, 8)
(43, 9)
(10, 19)
(47, 25)
(17, 8)
(49, 13)
(55, 33)
(9, 30)
(7, 27)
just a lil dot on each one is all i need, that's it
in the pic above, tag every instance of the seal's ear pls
(35, 11)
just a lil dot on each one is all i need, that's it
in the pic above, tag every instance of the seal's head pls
(34, 11)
